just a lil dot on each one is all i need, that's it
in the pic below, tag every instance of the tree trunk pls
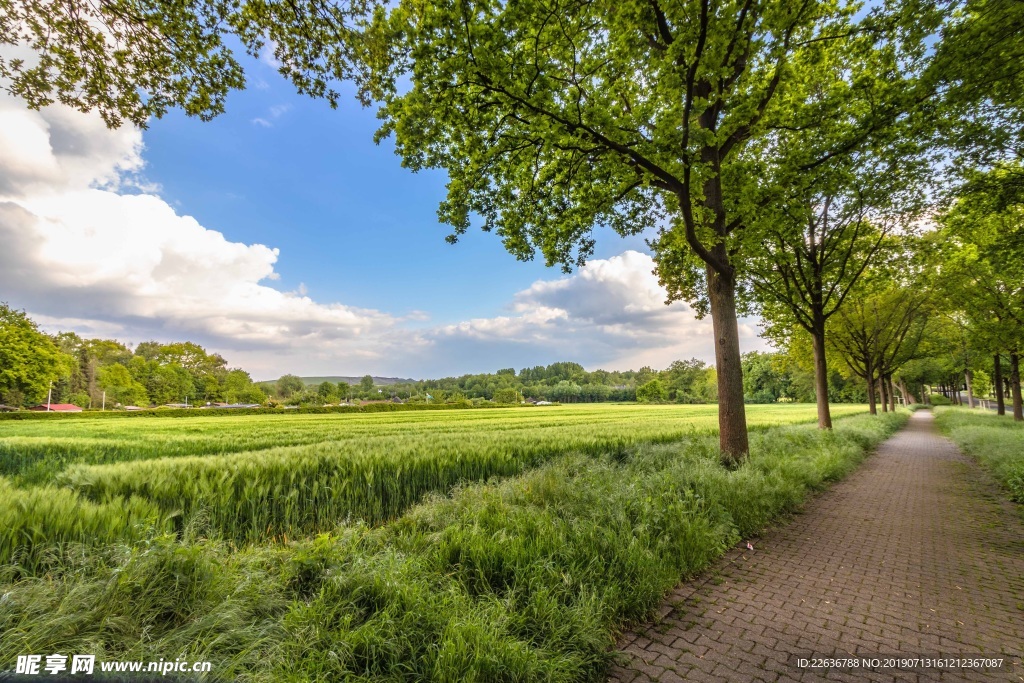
(908, 398)
(968, 376)
(892, 394)
(1018, 408)
(871, 390)
(732, 417)
(821, 378)
(882, 395)
(997, 380)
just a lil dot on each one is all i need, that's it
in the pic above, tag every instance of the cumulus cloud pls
(78, 247)
(611, 313)
(90, 246)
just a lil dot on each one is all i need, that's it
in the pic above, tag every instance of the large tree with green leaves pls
(819, 242)
(29, 359)
(983, 267)
(878, 331)
(553, 118)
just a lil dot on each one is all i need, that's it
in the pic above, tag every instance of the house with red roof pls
(57, 408)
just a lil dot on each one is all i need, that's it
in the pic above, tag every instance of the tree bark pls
(882, 395)
(871, 390)
(1018, 408)
(821, 378)
(997, 380)
(892, 394)
(732, 417)
(968, 376)
(908, 398)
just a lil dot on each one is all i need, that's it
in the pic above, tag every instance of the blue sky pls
(282, 237)
(351, 223)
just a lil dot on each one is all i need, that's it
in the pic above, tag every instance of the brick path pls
(915, 553)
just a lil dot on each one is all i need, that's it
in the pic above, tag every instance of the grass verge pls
(996, 441)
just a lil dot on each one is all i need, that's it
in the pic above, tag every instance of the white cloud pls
(279, 110)
(77, 249)
(275, 112)
(89, 246)
(611, 313)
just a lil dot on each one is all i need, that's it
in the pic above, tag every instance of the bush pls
(652, 392)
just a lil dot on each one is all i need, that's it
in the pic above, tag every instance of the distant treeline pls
(768, 378)
(87, 372)
(92, 372)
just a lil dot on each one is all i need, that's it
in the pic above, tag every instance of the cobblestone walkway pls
(915, 554)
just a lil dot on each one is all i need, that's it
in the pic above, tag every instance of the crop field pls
(487, 545)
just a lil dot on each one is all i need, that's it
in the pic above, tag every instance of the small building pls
(57, 408)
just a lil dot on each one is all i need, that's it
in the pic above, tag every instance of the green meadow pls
(482, 545)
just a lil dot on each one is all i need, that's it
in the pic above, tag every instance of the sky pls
(282, 237)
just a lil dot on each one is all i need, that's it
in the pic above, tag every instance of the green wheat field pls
(463, 545)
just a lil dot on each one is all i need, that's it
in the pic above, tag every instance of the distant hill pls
(313, 381)
(381, 381)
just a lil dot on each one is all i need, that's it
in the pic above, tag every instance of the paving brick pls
(915, 553)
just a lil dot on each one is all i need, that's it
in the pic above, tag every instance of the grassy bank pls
(526, 578)
(996, 441)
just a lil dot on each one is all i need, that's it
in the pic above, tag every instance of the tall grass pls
(997, 442)
(34, 452)
(378, 471)
(41, 525)
(527, 578)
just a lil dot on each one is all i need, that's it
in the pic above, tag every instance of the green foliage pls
(366, 384)
(171, 384)
(996, 441)
(983, 90)
(29, 359)
(288, 385)
(127, 60)
(652, 392)
(508, 395)
(764, 380)
(39, 526)
(121, 387)
(344, 390)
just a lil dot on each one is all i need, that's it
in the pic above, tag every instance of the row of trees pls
(767, 378)
(94, 372)
(775, 147)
